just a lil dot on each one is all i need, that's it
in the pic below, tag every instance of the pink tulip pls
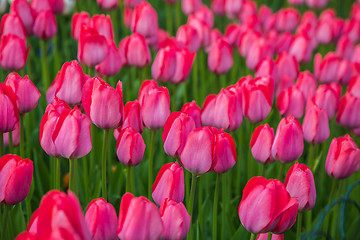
(301, 48)
(348, 114)
(112, 63)
(130, 147)
(224, 153)
(267, 67)
(101, 220)
(202, 28)
(287, 65)
(233, 8)
(45, 25)
(108, 4)
(245, 41)
(127, 15)
(194, 111)
(351, 29)
(233, 33)
(264, 236)
(138, 219)
(266, 206)
(218, 6)
(345, 47)
(10, 117)
(190, 6)
(144, 20)
(169, 183)
(306, 83)
(316, 124)
(15, 136)
(132, 116)
(16, 176)
(184, 63)
(96, 98)
(261, 143)
(134, 51)
(291, 102)
(60, 217)
(206, 15)
(170, 210)
(27, 95)
(187, 35)
(258, 51)
(103, 25)
(77, 21)
(300, 184)
(13, 52)
(288, 143)
(248, 10)
(316, 3)
(287, 19)
(12, 24)
(327, 96)
(176, 130)
(326, 70)
(343, 158)
(164, 65)
(132, 3)
(220, 58)
(23, 10)
(354, 86)
(26, 236)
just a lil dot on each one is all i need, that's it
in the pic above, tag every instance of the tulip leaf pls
(16, 222)
(317, 162)
(353, 231)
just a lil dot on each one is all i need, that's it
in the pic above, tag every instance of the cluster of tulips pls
(252, 67)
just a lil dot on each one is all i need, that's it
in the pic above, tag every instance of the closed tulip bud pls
(222, 111)
(282, 41)
(45, 25)
(266, 206)
(170, 210)
(215, 35)
(218, 7)
(264, 236)
(12, 24)
(202, 29)
(77, 21)
(24, 11)
(224, 153)
(154, 99)
(287, 65)
(327, 96)
(351, 29)
(16, 176)
(343, 158)
(130, 147)
(354, 86)
(184, 63)
(188, 36)
(138, 219)
(220, 57)
(134, 51)
(258, 51)
(306, 83)
(72, 136)
(326, 70)
(103, 25)
(287, 19)
(68, 84)
(27, 95)
(348, 114)
(96, 98)
(288, 143)
(132, 117)
(299, 182)
(92, 47)
(112, 64)
(291, 102)
(206, 15)
(132, 3)
(190, 6)
(127, 15)
(248, 9)
(301, 48)
(108, 4)
(13, 52)
(246, 39)
(15, 136)
(233, 33)
(316, 3)
(345, 47)
(194, 111)
(197, 154)
(101, 220)
(164, 65)
(169, 183)
(267, 67)
(60, 216)
(10, 117)
(316, 124)
(144, 20)
(261, 143)
(233, 8)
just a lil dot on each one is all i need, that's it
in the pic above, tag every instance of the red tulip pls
(112, 63)
(266, 206)
(12, 24)
(16, 176)
(101, 220)
(138, 219)
(103, 25)
(60, 217)
(144, 20)
(26, 236)
(23, 10)
(299, 182)
(13, 52)
(130, 147)
(190, 6)
(224, 153)
(187, 35)
(194, 111)
(348, 114)
(291, 101)
(10, 117)
(45, 25)
(220, 57)
(108, 4)
(170, 210)
(288, 143)
(77, 21)
(169, 183)
(27, 95)
(343, 158)
(134, 51)
(327, 96)
(261, 143)
(164, 65)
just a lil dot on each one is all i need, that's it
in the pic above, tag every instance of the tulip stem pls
(71, 174)
(312, 152)
(200, 200)
(57, 174)
(44, 64)
(151, 161)
(263, 169)
(191, 202)
(331, 196)
(4, 223)
(252, 236)
(299, 223)
(225, 202)
(281, 173)
(195, 80)
(11, 147)
(215, 206)
(169, 16)
(128, 177)
(103, 168)
(22, 139)
(269, 235)
(1, 144)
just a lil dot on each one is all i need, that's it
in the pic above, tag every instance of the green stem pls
(252, 236)
(250, 157)
(90, 71)
(103, 168)
(308, 219)
(299, 223)
(178, 13)
(44, 64)
(28, 135)
(263, 169)
(200, 200)
(1, 144)
(85, 177)
(187, 186)
(169, 17)
(281, 173)
(11, 147)
(195, 80)
(71, 174)
(4, 223)
(128, 177)
(151, 161)
(215, 206)
(191, 201)
(22, 137)
(238, 162)
(269, 236)
(57, 173)
(225, 191)
(312, 151)
(173, 102)
(331, 197)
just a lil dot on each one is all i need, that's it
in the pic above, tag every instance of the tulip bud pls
(24, 11)
(16, 176)
(164, 65)
(287, 19)
(343, 158)
(10, 117)
(170, 210)
(112, 64)
(246, 39)
(13, 52)
(267, 67)
(224, 153)
(132, 3)
(108, 4)
(345, 47)
(138, 219)
(188, 36)
(300, 184)
(169, 183)
(101, 220)
(277, 215)
(354, 86)
(287, 65)
(301, 48)
(45, 25)
(144, 20)
(326, 70)
(132, 116)
(261, 143)
(288, 143)
(316, 124)
(291, 101)
(26, 235)
(102, 24)
(77, 21)
(96, 99)
(220, 57)
(12, 24)
(306, 83)
(202, 28)
(258, 50)
(194, 111)
(190, 6)
(348, 114)
(130, 147)
(327, 96)
(316, 3)
(184, 63)
(134, 51)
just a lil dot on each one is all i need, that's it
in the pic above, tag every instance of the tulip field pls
(179, 119)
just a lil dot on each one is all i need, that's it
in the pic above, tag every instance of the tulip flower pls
(144, 20)
(45, 25)
(15, 134)
(266, 206)
(349, 111)
(343, 158)
(220, 57)
(264, 236)
(132, 116)
(26, 236)
(345, 47)
(287, 19)
(301, 48)
(224, 153)
(245, 41)
(10, 117)
(327, 96)
(306, 83)
(287, 65)
(267, 67)
(101, 220)
(354, 86)
(291, 101)
(194, 111)
(288, 143)
(103, 25)
(164, 65)
(23, 10)
(299, 182)
(176, 130)
(261, 143)
(190, 6)
(170, 210)
(233, 33)
(202, 28)
(184, 63)
(169, 183)
(130, 147)
(138, 219)
(112, 63)
(316, 124)
(60, 215)
(258, 50)
(77, 21)
(12, 24)
(134, 51)
(13, 52)
(16, 176)
(188, 36)
(233, 8)
(326, 70)
(316, 3)
(108, 4)
(206, 15)
(132, 3)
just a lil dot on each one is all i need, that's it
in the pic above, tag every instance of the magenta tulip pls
(77, 21)
(327, 96)
(291, 102)
(194, 111)
(348, 114)
(12, 24)
(13, 52)
(316, 124)
(23, 10)
(10, 117)
(261, 143)
(224, 152)
(144, 20)
(45, 25)
(103, 25)
(130, 147)
(134, 51)
(112, 63)
(220, 58)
